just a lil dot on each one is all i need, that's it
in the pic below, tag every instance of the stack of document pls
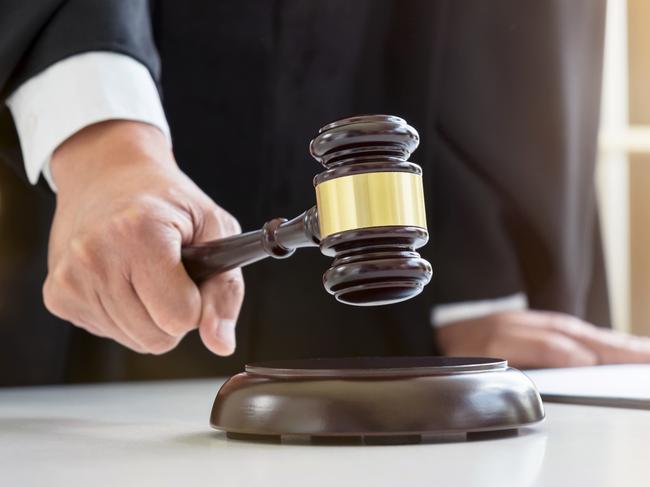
(626, 386)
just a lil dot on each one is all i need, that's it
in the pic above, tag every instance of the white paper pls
(607, 385)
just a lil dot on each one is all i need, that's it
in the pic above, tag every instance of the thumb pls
(222, 294)
(221, 298)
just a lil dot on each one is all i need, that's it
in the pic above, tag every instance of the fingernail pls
(226, 334)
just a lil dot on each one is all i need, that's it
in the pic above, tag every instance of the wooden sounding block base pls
(375, 400)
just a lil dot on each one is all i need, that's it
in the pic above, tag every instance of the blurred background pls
(623, 176)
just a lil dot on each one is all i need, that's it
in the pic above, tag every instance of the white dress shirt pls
(74, 93)
(445, 314)
(97, 86)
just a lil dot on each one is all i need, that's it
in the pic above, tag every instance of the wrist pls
(108, 146)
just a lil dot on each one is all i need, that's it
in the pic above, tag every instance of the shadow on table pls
(62, 428)
(207, 438)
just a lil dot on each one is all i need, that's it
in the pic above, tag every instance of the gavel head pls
(371, 210)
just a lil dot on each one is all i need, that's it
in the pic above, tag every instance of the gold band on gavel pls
(370, 200)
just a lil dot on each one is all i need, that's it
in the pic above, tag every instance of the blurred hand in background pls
(534, 339)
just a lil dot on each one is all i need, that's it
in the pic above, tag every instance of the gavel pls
(369, 216)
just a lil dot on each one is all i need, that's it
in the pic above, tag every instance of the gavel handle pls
(278, 238)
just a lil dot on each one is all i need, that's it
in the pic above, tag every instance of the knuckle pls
(83, 253)
(58, 302)
(229, 285)
(229, 288)
(62, 277)
(58, 289)
(51, 300)
(178, 325)
(130, 222)
(228, 224)
(235, 286)
(233, 225)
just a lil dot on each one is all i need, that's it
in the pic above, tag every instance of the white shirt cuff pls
(446, 314)
(76, 92)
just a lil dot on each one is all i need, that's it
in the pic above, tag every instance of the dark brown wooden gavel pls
(369, 216)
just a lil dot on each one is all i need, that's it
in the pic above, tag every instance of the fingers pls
(524, 338)
(112, 307)
(68, 304)
(169, 297)
(607, 346)
(133, 287)
(611, 346)
(151, 254)
(617, 348)
(142, 298)
(530, 347)
(130, 316)
(222, 297)
(124, 210)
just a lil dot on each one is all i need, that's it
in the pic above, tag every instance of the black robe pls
(505, 95)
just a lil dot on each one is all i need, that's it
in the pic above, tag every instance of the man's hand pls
(529, 339)
(123, 211)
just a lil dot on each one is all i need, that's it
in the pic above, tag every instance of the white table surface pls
(158, 434)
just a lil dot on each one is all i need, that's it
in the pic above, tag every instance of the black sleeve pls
(37, 34)
(515, 139)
